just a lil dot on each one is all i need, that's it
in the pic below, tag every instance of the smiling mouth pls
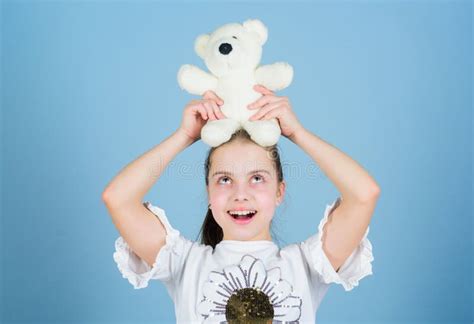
(247, 216)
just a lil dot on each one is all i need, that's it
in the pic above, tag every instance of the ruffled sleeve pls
(168, 262)
(357, 265)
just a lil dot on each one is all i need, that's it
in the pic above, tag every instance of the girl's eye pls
(255, 176)
(223, 178)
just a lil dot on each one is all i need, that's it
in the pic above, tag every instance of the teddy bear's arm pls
(274, 76)
(196, 81)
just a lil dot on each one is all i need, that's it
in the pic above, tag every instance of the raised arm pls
(123, 196)
(348, 222)
(137, 178)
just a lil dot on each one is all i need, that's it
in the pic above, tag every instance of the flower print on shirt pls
(248, 293)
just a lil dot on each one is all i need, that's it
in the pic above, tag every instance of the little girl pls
(237, 274)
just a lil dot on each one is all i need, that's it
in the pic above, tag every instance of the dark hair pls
(211, 233)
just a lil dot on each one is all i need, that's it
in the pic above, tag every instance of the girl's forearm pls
(137, 178)
(352, 181)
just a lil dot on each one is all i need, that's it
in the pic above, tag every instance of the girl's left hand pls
(272, 106)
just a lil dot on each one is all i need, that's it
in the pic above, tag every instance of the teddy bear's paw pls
(263, 132)
(276, 76)
(265, 139)
(286, 77)
(185, 75)
(216, 132)
(194, 80)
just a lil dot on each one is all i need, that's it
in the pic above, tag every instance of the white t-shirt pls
(250, 277)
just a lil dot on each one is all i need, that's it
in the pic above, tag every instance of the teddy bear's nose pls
(225, 48)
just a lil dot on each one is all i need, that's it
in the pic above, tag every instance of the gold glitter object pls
(247, 306)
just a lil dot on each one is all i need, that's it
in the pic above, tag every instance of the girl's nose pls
(240, 193)
(240, 198)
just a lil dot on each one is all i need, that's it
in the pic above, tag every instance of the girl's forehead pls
(242, 168)
(241, 159)
(241, 151)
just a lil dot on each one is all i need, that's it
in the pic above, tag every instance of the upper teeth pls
(243, 212)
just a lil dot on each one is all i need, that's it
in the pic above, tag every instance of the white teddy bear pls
(232, 54)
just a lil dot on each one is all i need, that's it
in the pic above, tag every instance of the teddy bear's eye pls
(234, 37)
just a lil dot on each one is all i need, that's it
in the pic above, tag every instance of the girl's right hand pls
(198, 112)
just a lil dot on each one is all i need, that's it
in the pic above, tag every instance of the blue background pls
(88, 86)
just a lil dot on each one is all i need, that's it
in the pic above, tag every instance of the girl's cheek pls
(260, 188)
(220, 191)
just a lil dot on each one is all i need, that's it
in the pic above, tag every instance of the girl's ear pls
(281, 192)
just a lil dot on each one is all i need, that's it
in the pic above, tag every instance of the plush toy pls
(232, 54)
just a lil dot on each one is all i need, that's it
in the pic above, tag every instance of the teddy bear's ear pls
(200, 45)
(256, 26)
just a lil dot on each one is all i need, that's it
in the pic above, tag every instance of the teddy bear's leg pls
(263, 132)
(216, 132)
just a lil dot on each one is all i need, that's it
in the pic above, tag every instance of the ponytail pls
(211, 233)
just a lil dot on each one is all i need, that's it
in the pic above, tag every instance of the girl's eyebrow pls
(230, 173)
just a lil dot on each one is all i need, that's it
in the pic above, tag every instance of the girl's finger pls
(265, 99)
(271, 114)
(260, 88)
(202, 110)
(214, 107)
(262, 101)
(210, 110)
(217, 111)
(211, 95)
(208, 94)
(198, 109)
(264, 110)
